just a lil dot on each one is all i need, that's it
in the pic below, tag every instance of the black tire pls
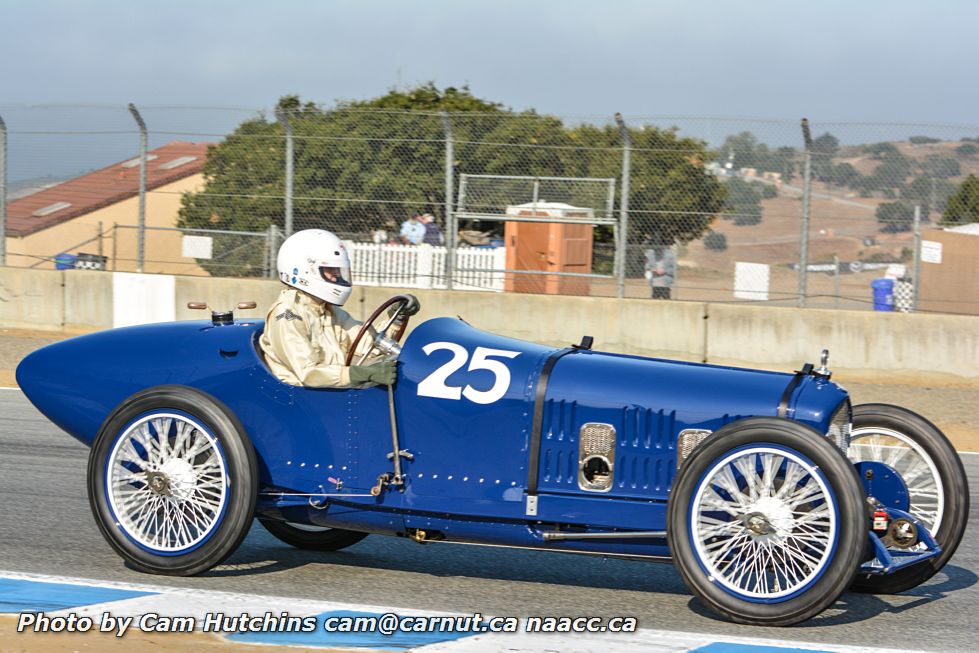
(320, 539)
(220, 480)
(955, 492)
(838, 546)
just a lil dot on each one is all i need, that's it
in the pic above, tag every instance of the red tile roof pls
(102, 188)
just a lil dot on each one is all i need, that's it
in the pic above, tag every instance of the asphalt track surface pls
(46, 527)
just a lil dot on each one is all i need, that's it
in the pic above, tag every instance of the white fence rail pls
(423, 266)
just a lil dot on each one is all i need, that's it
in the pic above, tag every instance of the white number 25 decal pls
(434, 384)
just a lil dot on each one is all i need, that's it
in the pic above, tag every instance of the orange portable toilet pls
(534, 244)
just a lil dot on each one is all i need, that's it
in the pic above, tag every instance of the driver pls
(307, 335)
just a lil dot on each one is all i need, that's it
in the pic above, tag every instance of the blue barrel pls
(883, 294)
(65, 261)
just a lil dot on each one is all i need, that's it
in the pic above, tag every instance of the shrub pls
(715, 242)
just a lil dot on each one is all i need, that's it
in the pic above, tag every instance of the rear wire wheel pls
(767, 522)
(937, 486)
(311, 538)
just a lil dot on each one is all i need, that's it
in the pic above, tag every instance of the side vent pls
(596, 457)
(687, 441)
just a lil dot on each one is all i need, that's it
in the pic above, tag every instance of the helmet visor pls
(339, 276)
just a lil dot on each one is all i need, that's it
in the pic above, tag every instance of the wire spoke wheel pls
(907, 458)
(764, 523)
(767, 521)
(167, 482)
(172, 481)
(932, 471)
(310, 536)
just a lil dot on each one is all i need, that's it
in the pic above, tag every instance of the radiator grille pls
(687, 442)
(597, 439)
(840, 425)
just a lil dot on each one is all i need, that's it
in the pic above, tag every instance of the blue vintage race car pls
(767, 490)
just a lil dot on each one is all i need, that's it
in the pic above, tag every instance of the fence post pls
(621, 248)
(836, 281)
(283, 119)
(3, 192)
(141, 218)
(806, 191)
(916, 260)
(450, 225)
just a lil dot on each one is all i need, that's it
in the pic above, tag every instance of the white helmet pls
(316, 261)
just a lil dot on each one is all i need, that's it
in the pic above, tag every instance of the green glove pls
(409, 308)
(383, 373)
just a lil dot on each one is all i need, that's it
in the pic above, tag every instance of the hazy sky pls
(857, 59)
(874, 60)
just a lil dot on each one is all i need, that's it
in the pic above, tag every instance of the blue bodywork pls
(472, 449)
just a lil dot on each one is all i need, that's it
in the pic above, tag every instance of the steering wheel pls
(403, 300)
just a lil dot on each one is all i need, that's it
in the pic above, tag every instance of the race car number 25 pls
(435, 384)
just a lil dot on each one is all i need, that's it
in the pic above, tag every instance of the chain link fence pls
(705, 209)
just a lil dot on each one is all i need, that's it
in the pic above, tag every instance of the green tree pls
(367, 164)
(880, 150)
(743, 203)
(743, 149)
(963, 205)
(824, 148)
(942, 167)
(895, 216)
(928, 192)
(894, 168)
(923, 140)
(967, 150)
(747, 151)
(715, 242)
(844, 174)
(784, 162)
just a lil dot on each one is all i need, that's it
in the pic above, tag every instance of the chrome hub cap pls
(166, 482)
(769, 518)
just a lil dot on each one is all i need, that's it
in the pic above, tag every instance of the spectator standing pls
(661, 267)
(433, 234)
(412, 231)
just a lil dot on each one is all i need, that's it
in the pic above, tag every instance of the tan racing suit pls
(306, 341)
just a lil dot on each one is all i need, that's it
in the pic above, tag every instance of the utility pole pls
(450, 225)
(141, 218)
(283, 118)
(806, 196)
(3, 192)
(621, 253)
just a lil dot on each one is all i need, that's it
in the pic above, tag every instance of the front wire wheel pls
(933, 472)
(172, 481)
(766, 522)
(167, 482)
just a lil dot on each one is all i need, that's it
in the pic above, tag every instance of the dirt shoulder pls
(952, 407)
(95, 642)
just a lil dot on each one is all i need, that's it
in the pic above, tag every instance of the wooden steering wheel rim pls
(369, 322)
